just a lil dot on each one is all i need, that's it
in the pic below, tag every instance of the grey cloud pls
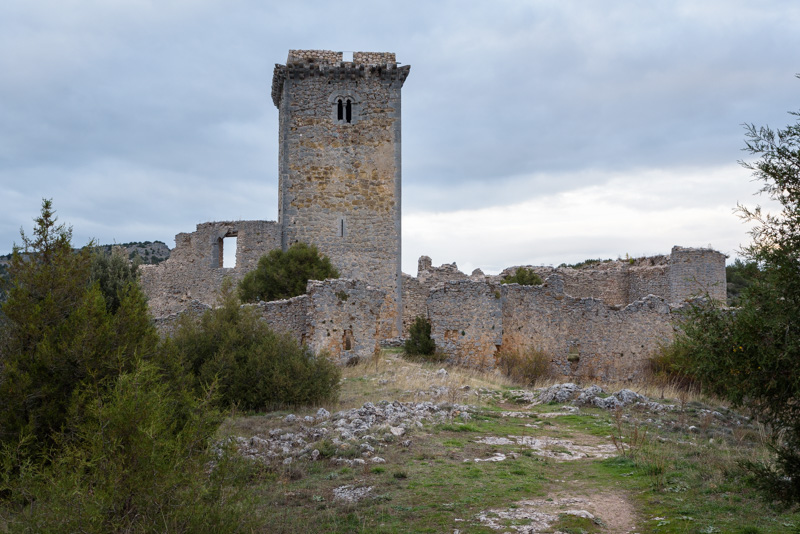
(167, 107)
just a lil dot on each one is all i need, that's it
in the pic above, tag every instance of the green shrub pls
(113, 273)
(133, 463)
(740, 275)
(254, 367)
(282, 275)
(671, 365)
(586, 263)
(419, 342)
(525, 367)
(524, 277)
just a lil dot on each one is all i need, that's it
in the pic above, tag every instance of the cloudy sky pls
(534, 132)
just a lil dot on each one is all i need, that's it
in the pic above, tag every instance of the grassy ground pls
(633, 471)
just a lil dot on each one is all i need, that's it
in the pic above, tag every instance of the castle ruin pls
(339, 182)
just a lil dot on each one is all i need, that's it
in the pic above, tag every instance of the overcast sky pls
(534, 132)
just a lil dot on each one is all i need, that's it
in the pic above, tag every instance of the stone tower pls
(339, 164)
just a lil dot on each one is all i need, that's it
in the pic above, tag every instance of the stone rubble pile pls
(591, 396)
(354, 432)
(353, 437)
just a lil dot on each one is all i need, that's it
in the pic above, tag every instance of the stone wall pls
(166, 324)
(603, 320)
(584, 336)
(287, 315)
(343, 318)
(472, 321)
(339, 316)
(416, 290)
(194, 270)
(467, 321)
(339, 164)
(684, 274)
(697, 272)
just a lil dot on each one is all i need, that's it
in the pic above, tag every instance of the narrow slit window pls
(349, 111)
(340, 110)
(340, 229)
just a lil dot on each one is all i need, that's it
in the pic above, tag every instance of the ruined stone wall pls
(472, 321)
(194, 270)
(684, 274)
(167, 324)
(289, 315)
(584, 336)
(416, 290)
(697, 272)
(343, 318)
(467, 321)
(340, 179)
(652, 280)
(339, 316)
(609, 283)
(415, 301)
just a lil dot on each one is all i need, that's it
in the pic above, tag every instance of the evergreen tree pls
(750, 355)
(58, 334)
(283, 275)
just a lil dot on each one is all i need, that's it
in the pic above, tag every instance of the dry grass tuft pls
(389, 376)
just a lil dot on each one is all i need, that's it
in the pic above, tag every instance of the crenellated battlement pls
(329, 57)
(303, 64)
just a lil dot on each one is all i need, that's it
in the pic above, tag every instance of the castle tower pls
(339, 164)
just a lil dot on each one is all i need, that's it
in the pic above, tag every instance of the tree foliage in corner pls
(750, 355)
(58, 334)
(98, 431)
(524, 277)
(283, 275)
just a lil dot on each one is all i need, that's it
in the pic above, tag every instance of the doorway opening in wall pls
(229, 251)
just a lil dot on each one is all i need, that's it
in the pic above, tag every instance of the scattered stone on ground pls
(558, 449)
(532, 517)
(611, 511)
(591, 396)
(358, 428)
(344, 436)
(350, 493)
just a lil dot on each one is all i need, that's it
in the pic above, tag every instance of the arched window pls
(344, 108)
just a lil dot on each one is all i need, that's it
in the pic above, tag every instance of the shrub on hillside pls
(282, 275)
(670, 366)
(526, 367)
(254, 367)
(419, 342)
(524, 277)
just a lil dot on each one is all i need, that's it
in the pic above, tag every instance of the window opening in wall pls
(347, 57)
(340, 229)
(347, 340)
(340, 110)
(349, 111)
(228, 251)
